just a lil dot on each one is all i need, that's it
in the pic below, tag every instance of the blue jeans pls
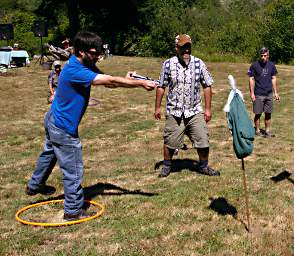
(67, 151)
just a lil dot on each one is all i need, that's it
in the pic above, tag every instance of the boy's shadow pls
(104, 189)
(181, 164)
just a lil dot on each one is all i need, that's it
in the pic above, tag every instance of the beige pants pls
(194, 127)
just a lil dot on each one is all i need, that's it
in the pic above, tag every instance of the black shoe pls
(79, 216)
(165, 171)
(209, 171)
(44, 190)
(259, 134)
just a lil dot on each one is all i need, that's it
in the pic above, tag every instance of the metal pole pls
(246, 196)
(42, 52)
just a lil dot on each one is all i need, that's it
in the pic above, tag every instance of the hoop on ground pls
(57, 224)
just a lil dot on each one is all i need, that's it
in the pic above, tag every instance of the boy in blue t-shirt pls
(62, 142)
(262, 84)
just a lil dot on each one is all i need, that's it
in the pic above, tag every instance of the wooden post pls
(246, 196)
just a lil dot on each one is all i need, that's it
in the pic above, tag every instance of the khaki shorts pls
(263, 104)
(194, 127)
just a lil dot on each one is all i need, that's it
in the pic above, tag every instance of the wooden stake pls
(246, 196)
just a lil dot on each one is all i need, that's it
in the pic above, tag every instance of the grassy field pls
(184, 214)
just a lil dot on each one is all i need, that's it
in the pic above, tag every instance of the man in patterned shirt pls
(183, 74)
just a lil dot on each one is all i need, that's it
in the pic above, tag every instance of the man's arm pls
(126, 82)
(158, 99)
(275, 88)
(207, 103)
(251, 87)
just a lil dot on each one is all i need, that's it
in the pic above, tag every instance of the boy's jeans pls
(67, 150)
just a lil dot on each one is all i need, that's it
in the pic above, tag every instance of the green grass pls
(122, 146)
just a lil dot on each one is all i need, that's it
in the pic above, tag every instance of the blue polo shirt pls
(72, 95)
(263, 73)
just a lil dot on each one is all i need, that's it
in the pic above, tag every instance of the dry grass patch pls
(122, 144)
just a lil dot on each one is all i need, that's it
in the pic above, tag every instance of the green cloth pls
(241, 127)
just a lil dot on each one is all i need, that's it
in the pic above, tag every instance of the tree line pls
(220, 28)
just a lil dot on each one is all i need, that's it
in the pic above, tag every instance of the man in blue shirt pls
(62, 142)
(262, 84)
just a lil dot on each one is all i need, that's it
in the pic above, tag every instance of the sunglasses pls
(185, 47)
(94, 53)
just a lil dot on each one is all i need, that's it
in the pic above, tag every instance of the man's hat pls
(56, 63)
(183, 39)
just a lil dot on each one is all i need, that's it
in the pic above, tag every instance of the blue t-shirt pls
(262, 73)
(72, 95)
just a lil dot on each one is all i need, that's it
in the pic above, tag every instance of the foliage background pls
(220, 29)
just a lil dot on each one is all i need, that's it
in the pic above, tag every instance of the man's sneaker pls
(209, 171)
(165, 171)
(268, 135)
(258, 133)
(81, 215)
(44, 190)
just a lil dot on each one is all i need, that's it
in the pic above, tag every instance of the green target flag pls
(239, 122)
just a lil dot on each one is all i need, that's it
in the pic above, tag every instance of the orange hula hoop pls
(57, 224)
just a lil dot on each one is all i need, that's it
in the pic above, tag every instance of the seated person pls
(53, 80)
(15, 47)
(65, 43)
(59, 53)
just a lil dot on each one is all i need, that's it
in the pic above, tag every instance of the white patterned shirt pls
(184, 96)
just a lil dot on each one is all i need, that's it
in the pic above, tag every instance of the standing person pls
(62, 142)
(183, 74)
(53, 78)
(262, 84)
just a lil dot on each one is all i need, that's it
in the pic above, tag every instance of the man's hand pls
(148, 85)
(253, 98)
(130, 74)
(157, 114)
(277, 97)
(207, 115)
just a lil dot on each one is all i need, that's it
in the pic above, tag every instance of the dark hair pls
(85, 40)
(263, 50)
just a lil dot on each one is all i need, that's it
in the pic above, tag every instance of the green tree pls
(278, 30)
(240, 33)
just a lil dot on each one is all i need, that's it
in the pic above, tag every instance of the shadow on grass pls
(104, 189)
(284, 175)
(222, 207)
(181, 164)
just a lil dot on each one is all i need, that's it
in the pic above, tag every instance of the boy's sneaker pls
(44, 190)
(209, 171)
(72, 217)
(165, 171)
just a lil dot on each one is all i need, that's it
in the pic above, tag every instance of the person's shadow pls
(104, 189)
(284, 175)
(181, 164)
